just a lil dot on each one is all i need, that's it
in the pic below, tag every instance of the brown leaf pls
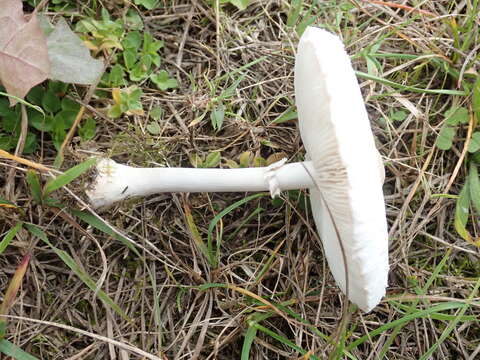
(24, 59)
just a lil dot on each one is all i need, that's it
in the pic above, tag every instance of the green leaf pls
(445, 138)
(70, 262)
(196, 160)
(462, 208)
(30, 143)
(68, 176)
(9, 236)
(12, 350)
(287, 115)
(132, 41)
(212, 160)
(51, 101)
(294, 13)
(11, 122)
(99, 225)
(130, 58)
(163, 81)
(70, 105)
(474, 185)
(34, 183)
(115, 111)
(148, 4)
(66, 118)
(154, 128)
(40, 122)
(457, 116)
(474, 145)
(399, 115)
(240, 4)
(217, 116)
(88, 129)
(197, 238)
(218, 218)
(116, 76)
(7, 142)
(35, 95)
(156, 113)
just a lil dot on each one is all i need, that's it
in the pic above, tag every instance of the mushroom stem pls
(115, 182)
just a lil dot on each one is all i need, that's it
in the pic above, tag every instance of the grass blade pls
(409, 88)
(12, 291)
(87, 280)
(409, 317)
(448, 330)
(97, 224)
(12, 350)
(219, 217)
(68, 176)
(34, 182)
(197, 238)
(9, 237)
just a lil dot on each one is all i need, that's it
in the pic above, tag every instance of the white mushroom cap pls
(336, 132)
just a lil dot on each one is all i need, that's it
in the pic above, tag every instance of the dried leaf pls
(70, 58)
(24, 59)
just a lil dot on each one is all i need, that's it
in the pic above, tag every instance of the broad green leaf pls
(30, 143)
(9, 236)
(445, 138)
(474, 185)
(34, 183)
(147, 4)
(456, 116)
(130, 58)
(156, 113)
(66, 118)
(212, 160)
(474, 145)
(245, 159)
(68, 176)
(163, 81)
(87, 129)
(70, 105)
(196, 160)
(116, 76)
(70, 59)
(51, 102)
(70, 262)
(240, 4)
(40, 122)
(154, 128)
(35, 95)
(399, 115)
(133, 40)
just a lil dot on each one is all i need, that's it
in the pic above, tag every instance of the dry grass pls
(274, 253)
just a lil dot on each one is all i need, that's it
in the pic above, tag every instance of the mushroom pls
(344, 173)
